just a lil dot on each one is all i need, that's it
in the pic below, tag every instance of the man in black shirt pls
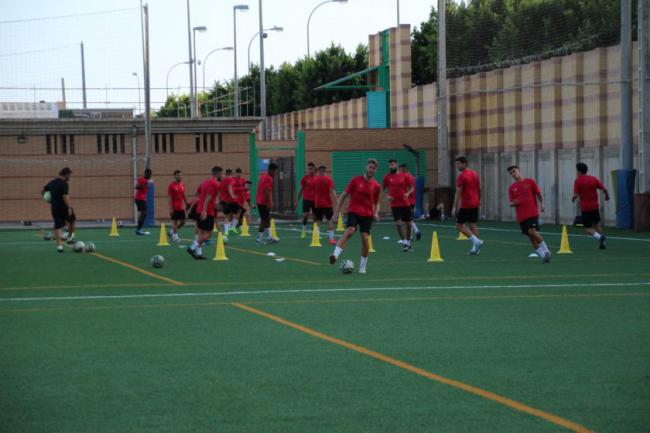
(62, 212)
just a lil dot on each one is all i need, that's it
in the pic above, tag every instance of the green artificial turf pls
(90, 345)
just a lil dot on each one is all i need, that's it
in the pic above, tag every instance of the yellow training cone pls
(564, 244)
(462, 237)
(244, 229)
(315, 237)
(435, 249)
(274, 232)
(371, 248)
(163, 237)
(114, 228)
(221, 249)
(339, 226)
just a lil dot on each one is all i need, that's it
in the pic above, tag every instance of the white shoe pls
(401, 242)
(362, 270)
(476, 248)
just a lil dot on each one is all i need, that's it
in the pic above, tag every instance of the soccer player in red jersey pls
(306, 191)
(206, 212)
(466, 203)
(399, 187)
(228, 202)
(586, 189)
(177, 203)
(245, 202)
(324, 199)
(404, 168)
(364, 206)
(264, 201)
(523, 195)
(239, 188)
(141, 190)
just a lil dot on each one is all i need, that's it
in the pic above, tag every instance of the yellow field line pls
(424, 373)
(137, 269)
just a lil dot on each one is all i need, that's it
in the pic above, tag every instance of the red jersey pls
(176, 192)
(209, 186)
(224, 190)
(323, 186)
(470, 197)
(364, 195)
(587, 186)
(412, 196)
(265, 185)
(247, 197)
(239, 188)
(141, 188)
(307, 184)
(524, 193)
(397, 184)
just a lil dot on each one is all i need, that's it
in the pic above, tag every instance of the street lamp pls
(236, 84)
(309, 19)
(264, 35)
(205, 59)
(200, 29)
(135, 74)
(169, 72)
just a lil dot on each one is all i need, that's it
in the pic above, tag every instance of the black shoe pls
(407, 249)
(70, 241)
(200, 257)
(332, 259)
(59, 250)
(192, 253)
(418, 236)
(602, 244)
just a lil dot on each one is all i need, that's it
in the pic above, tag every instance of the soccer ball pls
(47, 196)
(90, 247)
(78, 247)
(347, 267)
(47, 236)
(157, 261)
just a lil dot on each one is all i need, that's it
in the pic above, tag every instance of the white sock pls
(199, 251)
(407, 242)
(259, 236)
(194, 245)
(234, 222)
(474, 239)
(544, 247)
(597, 235)
(415, 228)
(226, 226)
(330, 234)
(540, 252)
(363, 261)
(267, 233)
(337, 251)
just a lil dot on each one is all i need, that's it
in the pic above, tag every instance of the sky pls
(35, 54)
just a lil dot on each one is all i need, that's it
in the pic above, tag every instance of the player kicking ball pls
(364, 207)
(586, 189)
(523, 195)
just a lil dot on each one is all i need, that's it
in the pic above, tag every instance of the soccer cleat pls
(200, 257)
(259, 241)
(192, 253)
(601, 243)
(401, 242)
(407, 249)
(547, 257)
(272, 240)
(70, 241)
(232, 231)
(332, 259)
(332, 242)
(418, 236)
(303, 234)
(476, 249)
(142, 233)
(59, 249)
(362, 270)
(208, 242)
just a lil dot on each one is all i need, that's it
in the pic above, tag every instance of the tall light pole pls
(309, 20)
(205, 59)
(200, 29)
(189, 61)
(264, 35)
(398, 14)
(135, 74)
(236, 84)
(169, 72)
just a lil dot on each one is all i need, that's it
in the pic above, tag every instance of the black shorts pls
(530, 223)
(307, 205)
(467, 215)
(61, 217)
(178, 215)
(192, 213)
(402, 213)
(590, 218)
(242, 210)
(229, 207)
(364, 223)
(321, 212)
(141, 205)
(265, 213)
(207, 224)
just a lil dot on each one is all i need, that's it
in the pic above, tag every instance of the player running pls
(466, 203)
(61, 207)
(306, 191)
(206, 212)
(399, 186)
(141, 190)
(264, 201)
(586, 189)
(177, 202)
(415, 231)
(364, 206)
(239, 188)
(228, 202)
(324, 199)
(523, 195)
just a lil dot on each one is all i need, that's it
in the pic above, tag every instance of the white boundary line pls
(273, 292)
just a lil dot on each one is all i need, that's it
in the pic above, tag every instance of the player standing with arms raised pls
(523, 195)
(466, 203)
(586, 189)
(364, 207)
